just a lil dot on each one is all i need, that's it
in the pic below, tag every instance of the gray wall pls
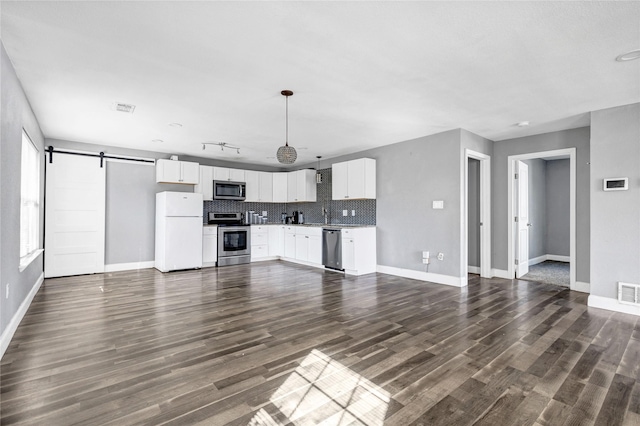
(537, 207)
(473, 213)
(615, 215)
(15, 114)
(578, 138)
(558, 207)
(410, 175)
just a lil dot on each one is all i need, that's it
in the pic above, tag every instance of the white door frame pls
(523, 224)
(571, 152)
(485, 214)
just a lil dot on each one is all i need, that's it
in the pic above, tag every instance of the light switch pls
(353, 212)
(439, 204)
(344, 213)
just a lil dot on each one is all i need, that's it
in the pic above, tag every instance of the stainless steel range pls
(234, 238)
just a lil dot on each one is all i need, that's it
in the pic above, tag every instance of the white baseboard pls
(582, 287)
(545, 257)
(8, 332)
(115, 267)
(612, 305)
(537, 260)
(500, 273)
(423, 276)
(473, 269)
(558, 258)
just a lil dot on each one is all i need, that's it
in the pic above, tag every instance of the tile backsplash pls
(365, 210)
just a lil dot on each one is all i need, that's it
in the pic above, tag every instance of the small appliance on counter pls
(234, 238)
(298, 218)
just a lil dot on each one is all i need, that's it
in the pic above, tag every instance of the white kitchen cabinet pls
(225, 173)
(259, 186)
(276, 240)
(308, 244)
(302, 247)
(170, 171)
(280, 187)
(359, 250)
(259, 242)
(301, 186)
(290, 242)
(315, 249)
(252, 191)
(355, 179)
(205, 185)
(209, 246)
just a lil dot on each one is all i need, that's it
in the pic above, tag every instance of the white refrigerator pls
(178, 231)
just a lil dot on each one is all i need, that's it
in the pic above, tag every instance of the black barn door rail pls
(51, 150)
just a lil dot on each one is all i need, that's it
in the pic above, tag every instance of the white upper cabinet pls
(170, 171)
(355, 179)
(266, 187)
(225, 173)
(205, 186)
(259, 186)
(280, 187)
(301, 186)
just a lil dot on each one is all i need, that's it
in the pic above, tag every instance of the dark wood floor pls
(275, 343)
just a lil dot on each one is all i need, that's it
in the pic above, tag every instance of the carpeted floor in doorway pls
(549, 272)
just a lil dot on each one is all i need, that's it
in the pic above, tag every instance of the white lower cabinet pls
(259, 242)
(303, 244)
(308, 244)
(209, 246)
(359, 250)
(290, 242)
(276, 240)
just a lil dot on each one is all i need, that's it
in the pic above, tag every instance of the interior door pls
(74, 216)
(522, 219)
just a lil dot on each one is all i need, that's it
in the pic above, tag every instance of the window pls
(29, 201)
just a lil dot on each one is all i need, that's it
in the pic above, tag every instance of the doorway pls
(529, 257)
(476, 236)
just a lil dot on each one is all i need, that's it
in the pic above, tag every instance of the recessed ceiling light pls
(629, 56)
(523, 124)
(175, 124)
(157, 140)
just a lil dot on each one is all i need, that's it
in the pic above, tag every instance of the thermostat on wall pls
(616, 184)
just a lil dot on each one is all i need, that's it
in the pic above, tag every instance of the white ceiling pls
(364, 74)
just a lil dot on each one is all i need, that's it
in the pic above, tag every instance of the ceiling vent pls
(628, 293)
(128, 108)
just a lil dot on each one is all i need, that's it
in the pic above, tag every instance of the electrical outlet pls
(425, 260)
(264, 213)
(345, 212)
(353, 212)
(7, 292)
(440, 256)
(425, 254)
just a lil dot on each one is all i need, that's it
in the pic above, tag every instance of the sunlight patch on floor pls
(321, 391)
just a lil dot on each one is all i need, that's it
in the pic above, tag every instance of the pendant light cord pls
(286, 138)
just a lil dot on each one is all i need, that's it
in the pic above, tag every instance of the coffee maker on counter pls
(298, 218)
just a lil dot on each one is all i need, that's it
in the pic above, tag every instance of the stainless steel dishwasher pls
(332, 248)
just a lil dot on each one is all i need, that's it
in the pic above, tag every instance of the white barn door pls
(74, 216)
(522, 215)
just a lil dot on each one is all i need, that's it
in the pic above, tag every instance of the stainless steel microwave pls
(226, 190)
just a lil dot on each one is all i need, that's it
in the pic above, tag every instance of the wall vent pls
(629, 293)
(128, 108)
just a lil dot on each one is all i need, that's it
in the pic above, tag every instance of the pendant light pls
(287, 154)
(318, 174)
